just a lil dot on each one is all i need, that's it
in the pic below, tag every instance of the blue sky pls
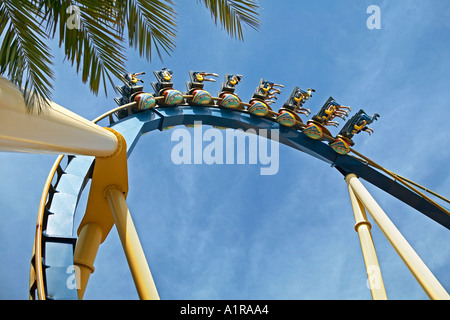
(225, 231)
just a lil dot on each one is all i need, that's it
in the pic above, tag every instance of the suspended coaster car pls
(129, 91)
(265, 94)
(195, 87)
(358, 123)
(288, 114)
(228, 98)
(259, 104)
(164, 88)
(316, 127)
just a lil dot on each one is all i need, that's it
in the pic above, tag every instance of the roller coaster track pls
(55, 240)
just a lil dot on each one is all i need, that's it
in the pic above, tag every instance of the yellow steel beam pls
(423, 275)
(407, 183)
(55, 130)
(37, 250)
(85, 253)
(108, 171)
(107, 206)
(98, 219)
(362, 227)
(134, 253)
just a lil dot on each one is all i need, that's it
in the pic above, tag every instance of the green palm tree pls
(94, 35)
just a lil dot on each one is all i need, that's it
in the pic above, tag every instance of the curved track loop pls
(55, 240)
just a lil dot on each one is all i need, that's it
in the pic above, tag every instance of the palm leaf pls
(96, 48)
(232, 14)
(151, 25)
(101, 47)
(25, 59)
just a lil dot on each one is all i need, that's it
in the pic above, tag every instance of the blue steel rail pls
(58, 237)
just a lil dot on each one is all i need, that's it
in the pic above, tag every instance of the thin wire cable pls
(406, 182)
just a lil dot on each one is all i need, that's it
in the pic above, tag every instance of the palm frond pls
(102, 48)
(151, 25)
(25, 59)
(95, 46)
(233, 14)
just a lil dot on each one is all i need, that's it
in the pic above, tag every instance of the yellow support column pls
(362, 227)
(84, 256)
(130, 241)
(423, 275)
(98, 220)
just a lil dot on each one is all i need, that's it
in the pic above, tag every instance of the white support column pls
(55, 131)
(423, 275)
(362, 227)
